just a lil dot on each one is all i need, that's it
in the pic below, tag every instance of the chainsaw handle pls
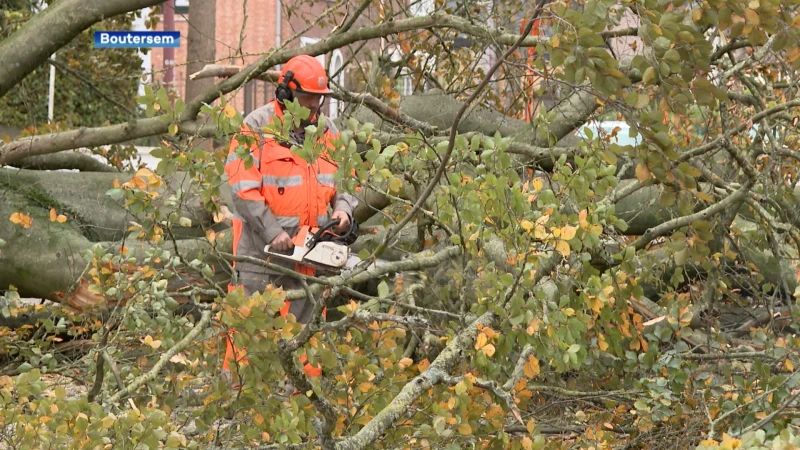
(318, 235)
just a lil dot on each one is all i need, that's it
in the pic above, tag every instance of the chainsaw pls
(320, 248)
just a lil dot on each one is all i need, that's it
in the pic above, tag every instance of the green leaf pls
(383, 290)
(574, 348)
(672, 56)
(389, 151)
(681, 257)
(649, 75)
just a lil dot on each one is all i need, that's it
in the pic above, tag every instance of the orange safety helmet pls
(304, 74)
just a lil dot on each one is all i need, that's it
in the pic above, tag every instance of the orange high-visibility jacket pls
(280, 191)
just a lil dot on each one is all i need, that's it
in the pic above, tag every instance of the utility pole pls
(169, 53)
(51, 90)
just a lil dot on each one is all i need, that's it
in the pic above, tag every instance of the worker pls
(281, 192)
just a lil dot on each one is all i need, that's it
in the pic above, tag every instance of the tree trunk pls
(201, 50)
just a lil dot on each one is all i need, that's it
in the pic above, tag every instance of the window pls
(181, 6)
(304, 41)
(337, 61)
(407, 86)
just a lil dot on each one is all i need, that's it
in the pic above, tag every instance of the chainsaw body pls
(316, 247)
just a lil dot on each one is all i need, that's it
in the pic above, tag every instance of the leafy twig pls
(187, 340)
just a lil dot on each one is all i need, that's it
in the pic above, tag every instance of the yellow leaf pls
(555, 41)
(108, 421)
(537, 184)
(258, 418)
(527, 443)
(582, 219)
(601, 342)
(789, 365)
(531, 367)
(54, 408)
(148, 340)
(244, 311)
(211, 235)
(465, 429)
(697, 14)
(533, 327)
(526, 225)
(405, 362)
(180, 358)
(729, 442)
(424, 364)
(481, 341)
(53, 214)
(364, 386)
(704, 197)
(21, 219)
(569, 312)
(568, 232)
(488, 349)
(229, 111)
(642, 172)
(61, 218)
(752, 17)
(595, 303)
(116, 183)
(563, 248)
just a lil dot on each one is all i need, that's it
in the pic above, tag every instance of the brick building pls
(261, 33)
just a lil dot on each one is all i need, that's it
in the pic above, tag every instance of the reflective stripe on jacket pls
(279, 192)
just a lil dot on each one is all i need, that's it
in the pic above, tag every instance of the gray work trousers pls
(256, 282)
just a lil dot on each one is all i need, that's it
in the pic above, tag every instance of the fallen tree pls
(506, 245)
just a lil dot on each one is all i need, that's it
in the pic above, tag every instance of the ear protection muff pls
(282, 92)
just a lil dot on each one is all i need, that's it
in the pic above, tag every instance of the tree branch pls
(361, 316)
(434, 374)
(683, 221)
(93, 137)
(187, 340)
(64, 160)
(492, 386)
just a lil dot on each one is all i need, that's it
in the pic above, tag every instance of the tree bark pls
(202, 46)
(48, 31)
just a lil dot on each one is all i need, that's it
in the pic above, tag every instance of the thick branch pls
(361, 316)
(229, 70)
(93, 137)
(64, 160)
(683, 221)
